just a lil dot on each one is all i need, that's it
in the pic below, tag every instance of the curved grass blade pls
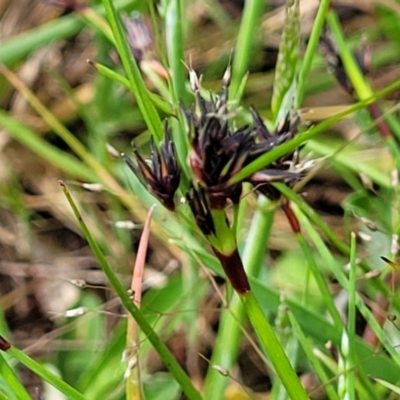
(253, 10)
(132, 71)
(41, 371)
(12, 380)
(167, 357)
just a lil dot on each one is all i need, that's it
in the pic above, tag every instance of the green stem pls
(9, 376)
(227, 343)
(46, 375)
(163, 351)
(245, 47)
(311, 48)
(273, 348)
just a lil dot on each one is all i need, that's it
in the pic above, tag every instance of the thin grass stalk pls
(288, 147)
(226, 346)
(351, 361)
(312, 46)
(322, 286)
(307, 346)
(134, 388)
(323, 227)
(252, 12)
(41, 371)
(167, 357)
(158, 101)
(12, 380)
(363, 90)
(174, 24)
(273, 347)
(340, 276)
(46, 151)
(132, 71)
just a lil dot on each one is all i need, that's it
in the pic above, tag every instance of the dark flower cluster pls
(218, 152)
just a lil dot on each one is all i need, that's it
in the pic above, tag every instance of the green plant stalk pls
(342, 247)
(252, 12)
(390, 125)
(175, 50)
(8, 374)
(132, 71)
(326, 295)
(158, 102)
(168, 359)
(314, 361)
(312, 46)
(273, 348)
(227, 343)
(343, 281)
(351, 361)
(46, 375)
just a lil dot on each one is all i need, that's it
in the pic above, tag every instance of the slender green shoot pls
(132, 71)
(273, 348)
(12, 380)
(253, 10)
(160, 347)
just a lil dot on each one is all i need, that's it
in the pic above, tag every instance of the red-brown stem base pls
(234, 270)
(4, 345)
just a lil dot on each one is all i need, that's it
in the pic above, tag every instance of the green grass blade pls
(273, 348)
(312, 46)
(324, 290)
(158, 101)
(46, 375)
(174, 24)
(227, 343)
(244, 49)
(160, 347)
(56, 157)
(12, 380)
(329, 388)
(132, 71)
(351, 322)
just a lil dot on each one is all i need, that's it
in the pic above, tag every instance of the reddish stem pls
(376, 115)
(293, 221)
(234, 270)
(4, 345)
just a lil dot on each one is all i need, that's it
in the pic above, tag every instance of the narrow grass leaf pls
(13, 382)
(226, 346)
(393, 388)
(45, 374)
(159, 346)
(329, 388)
(158, 101)
(60, 159)
(273, 347)
(311, 50)
(245, 46)
(132, 71)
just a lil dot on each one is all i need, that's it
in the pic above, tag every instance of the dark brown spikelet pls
(163, 175)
